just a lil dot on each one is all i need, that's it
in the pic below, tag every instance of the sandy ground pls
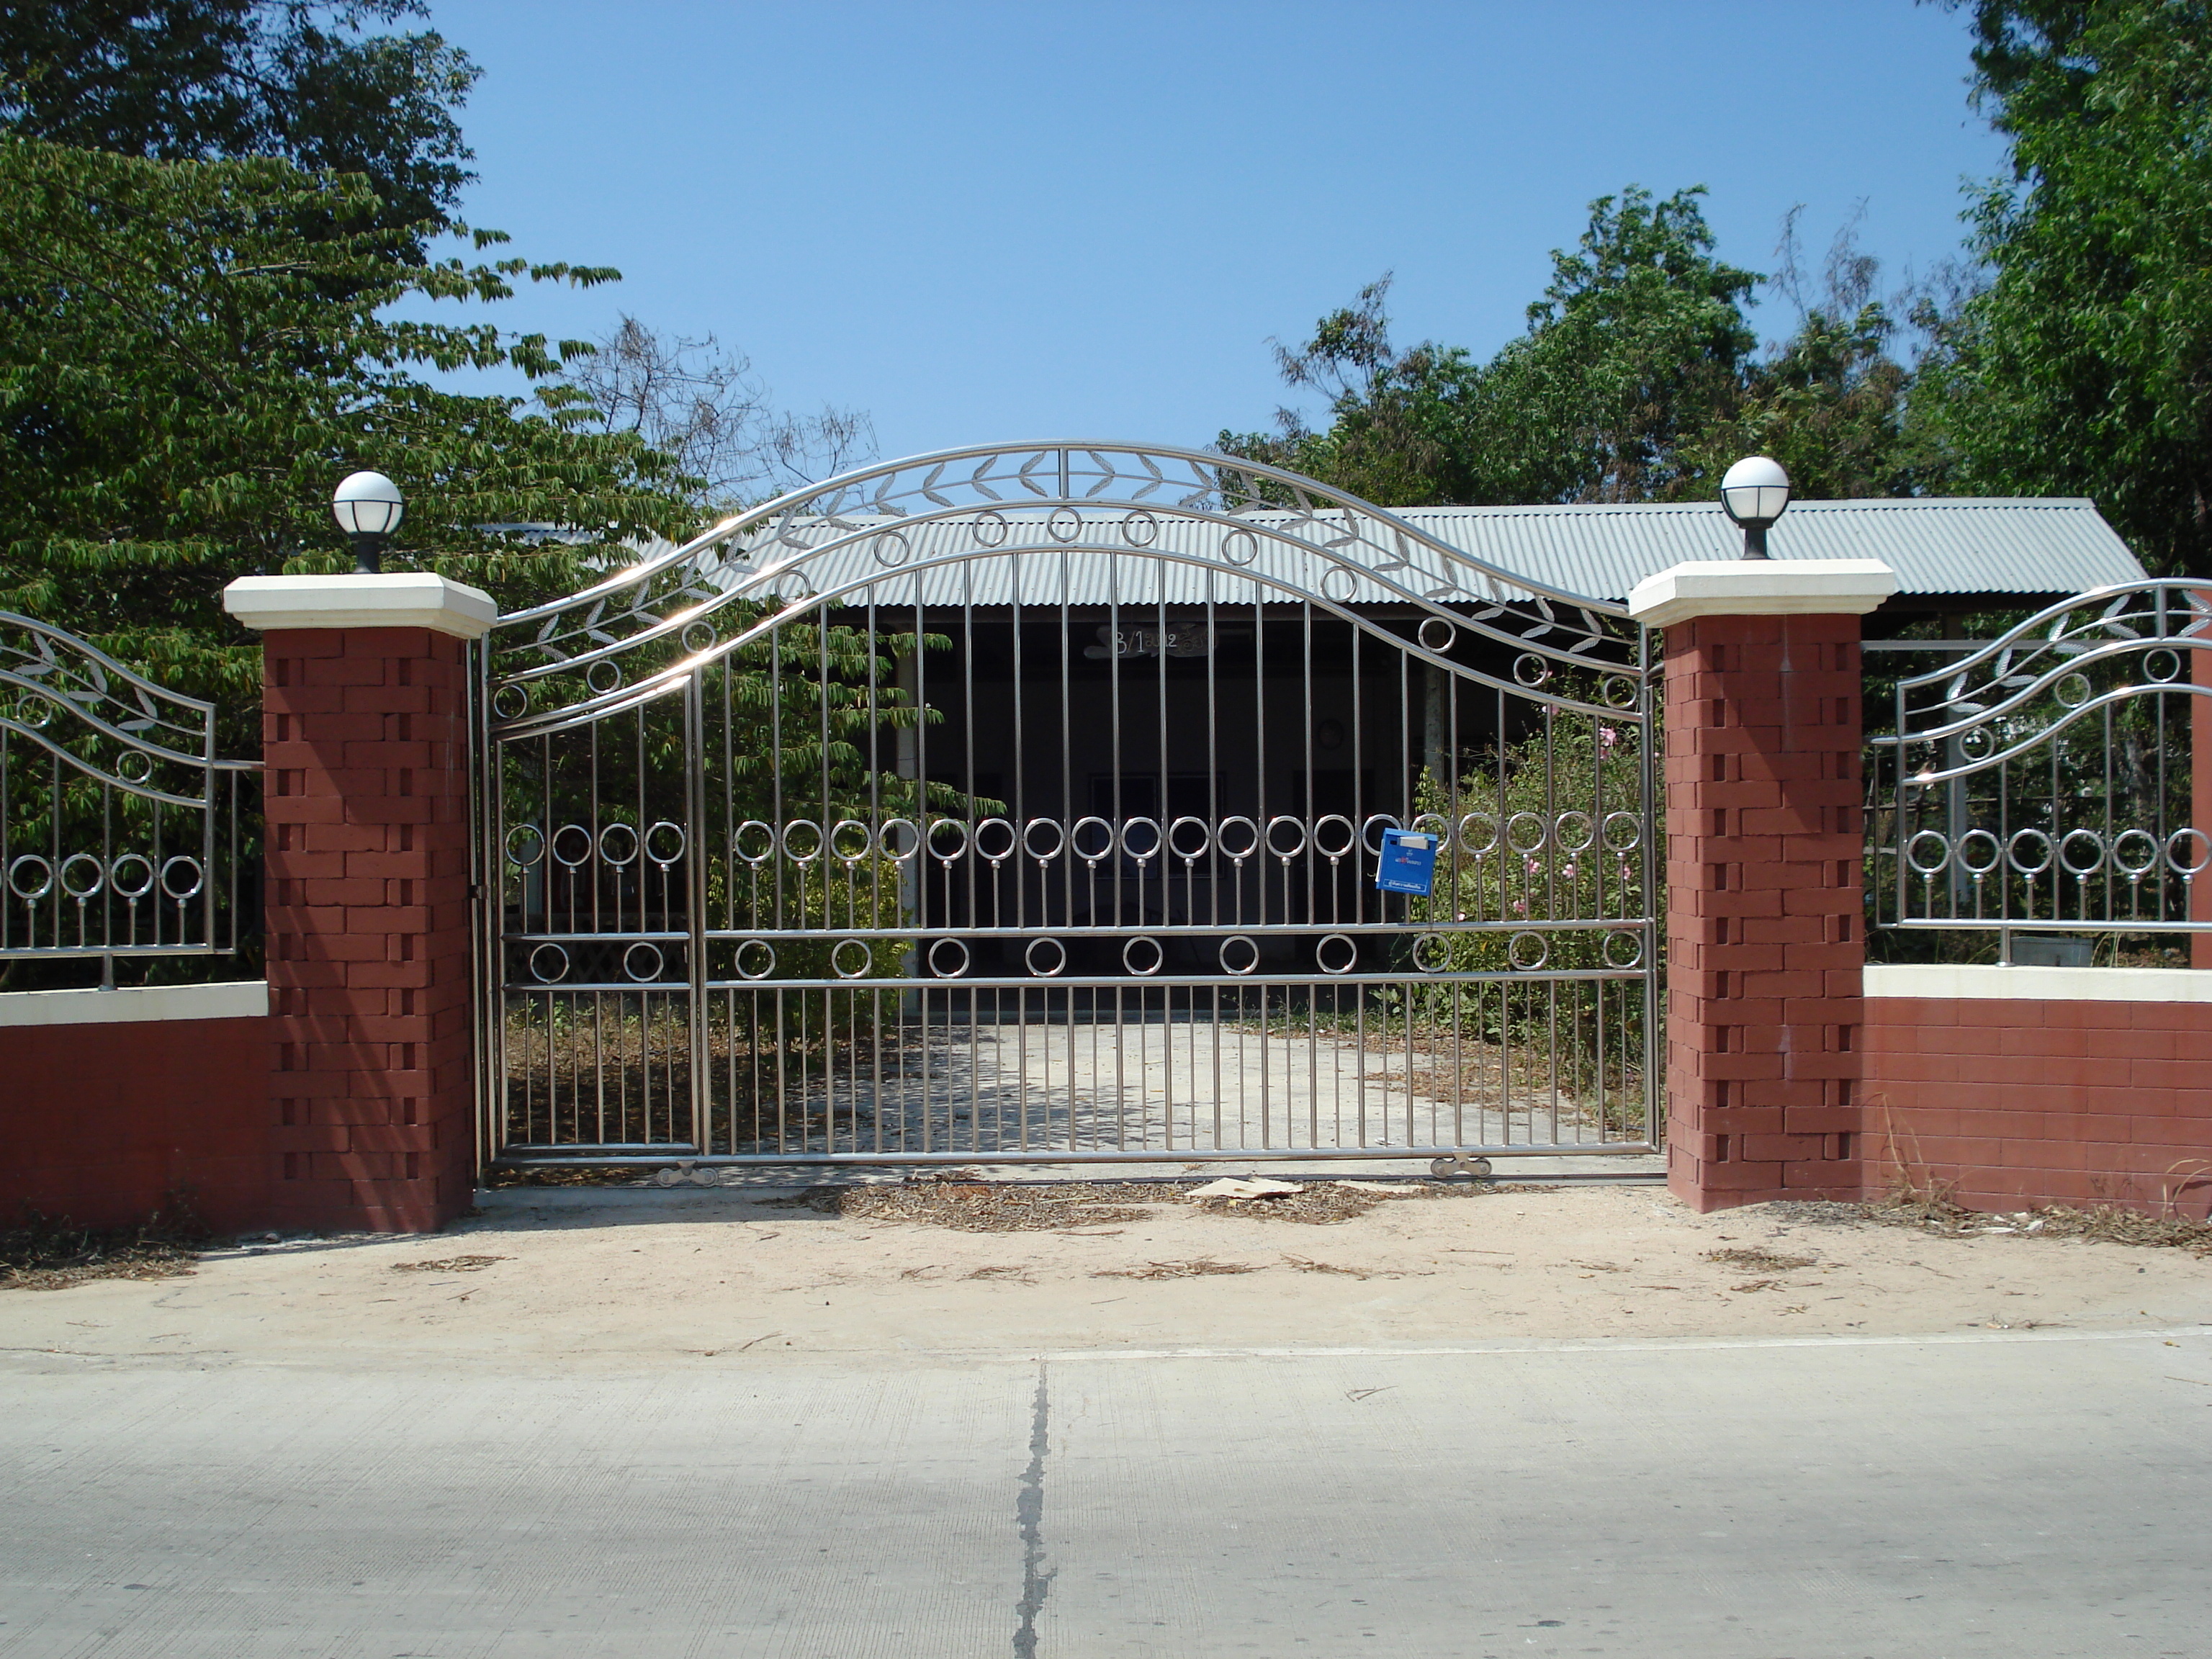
(643, 1277)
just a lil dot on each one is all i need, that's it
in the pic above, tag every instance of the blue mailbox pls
(1407, 863)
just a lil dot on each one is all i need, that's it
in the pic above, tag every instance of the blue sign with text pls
(1407, 864)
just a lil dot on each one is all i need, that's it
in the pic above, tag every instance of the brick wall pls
(1764, 840)
(105, 1124)
(366, 805)
(2017, 1102)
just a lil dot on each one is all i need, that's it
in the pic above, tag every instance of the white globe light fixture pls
(367, 506)
(1754, 493)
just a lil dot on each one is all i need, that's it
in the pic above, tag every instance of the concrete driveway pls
(267, 1460)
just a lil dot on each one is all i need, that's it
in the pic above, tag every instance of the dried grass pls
(1199, 1267)
(969, 1206)
(1931, 1210)
(48, 1254)
(1754, 1259)
(450, 1264)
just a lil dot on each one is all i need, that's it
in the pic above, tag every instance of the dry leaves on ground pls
(44, 1254)
(1755, 1259)
(1198, 1268)
(1935, 1213)
(449, 1264)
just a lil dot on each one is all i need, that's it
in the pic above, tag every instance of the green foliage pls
(185, 373)
(2085, 367)
(199, 80)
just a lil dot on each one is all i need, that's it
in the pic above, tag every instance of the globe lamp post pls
(367, 506)
(1754, 493)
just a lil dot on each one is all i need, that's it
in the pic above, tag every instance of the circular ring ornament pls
(850, 841)
(1145, 942)
(1343, 849)
(603, 676)
(1573, 831)
(2135, 869)
(1146, 853)
(700, 636)
(182, 877)
(665, 843)
(755, 842)
(2027, 837)
(1371, 831)
(618, 844)
(1531, 670)
(1623, 948)
(1529, 951)
(1527, 842)
(33, 712)
(1189, 854)
(2174, 843)
(511, 702)
(1431, 953)
(642, 962)
(2163, 664)
(1970, 844)
(134, 766)
(2073, 690)
(942, 966)
(750, 965)
(899, 839)
(1349, 948)
(526, 845)
(792, 588)
(1251, 831)
(1475, 841)
(1240, 548)
(80, 886)
(549, 964)
(30, 877)
(1621, 832)
(991, 529)
(572, 846)
(1286, 854)
(1250, 950)
(1339, 585)
(1028, 840)
(891, 549)
(1924, 864)
(1435, 635)
(1057, 961)
(131, 889)
(1977, 744)
(2097, 852)
(1617, 691)
(1431, 823)
(948, 841)
(995, 827)
(793, 853)
(841, 962)
(1139, 528)
(1063, 524)
(1092, 838)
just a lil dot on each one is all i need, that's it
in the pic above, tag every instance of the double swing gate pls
(1023, 804)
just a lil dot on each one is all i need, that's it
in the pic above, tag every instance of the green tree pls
(1635, 348)
(2085, 366)
(185, 371)
(201, 79)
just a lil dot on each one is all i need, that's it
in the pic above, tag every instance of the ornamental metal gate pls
(1022, 803)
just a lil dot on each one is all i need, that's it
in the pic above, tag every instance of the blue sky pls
(979, 221)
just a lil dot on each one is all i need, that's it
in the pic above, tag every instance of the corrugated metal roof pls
(2051, 546)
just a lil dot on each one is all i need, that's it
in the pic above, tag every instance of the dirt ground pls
(644, 1277)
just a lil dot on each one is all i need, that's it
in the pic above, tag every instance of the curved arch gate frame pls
(1022, 804)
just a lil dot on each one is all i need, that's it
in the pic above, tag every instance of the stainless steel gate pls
(1022, 803)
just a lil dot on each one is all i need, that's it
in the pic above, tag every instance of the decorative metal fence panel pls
(120, 830)
(2040, 783)
(1024, 805)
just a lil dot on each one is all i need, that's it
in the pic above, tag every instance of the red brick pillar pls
(1766, 835)
(364, 740)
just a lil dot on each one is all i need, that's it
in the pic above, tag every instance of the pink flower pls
(1606, 736)
(1569, 872)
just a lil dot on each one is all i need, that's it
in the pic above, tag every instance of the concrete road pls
(2028, 1494)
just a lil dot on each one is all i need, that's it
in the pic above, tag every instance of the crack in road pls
(1028, 1513)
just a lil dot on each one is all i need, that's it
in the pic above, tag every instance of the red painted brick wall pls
(1764, 840)
(105, 1124)
(365, 798)
(2018, 1103)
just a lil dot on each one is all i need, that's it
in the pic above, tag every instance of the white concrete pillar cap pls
(1761, 588)
(399, 599)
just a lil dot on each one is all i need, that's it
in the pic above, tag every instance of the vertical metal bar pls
(694, 870)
